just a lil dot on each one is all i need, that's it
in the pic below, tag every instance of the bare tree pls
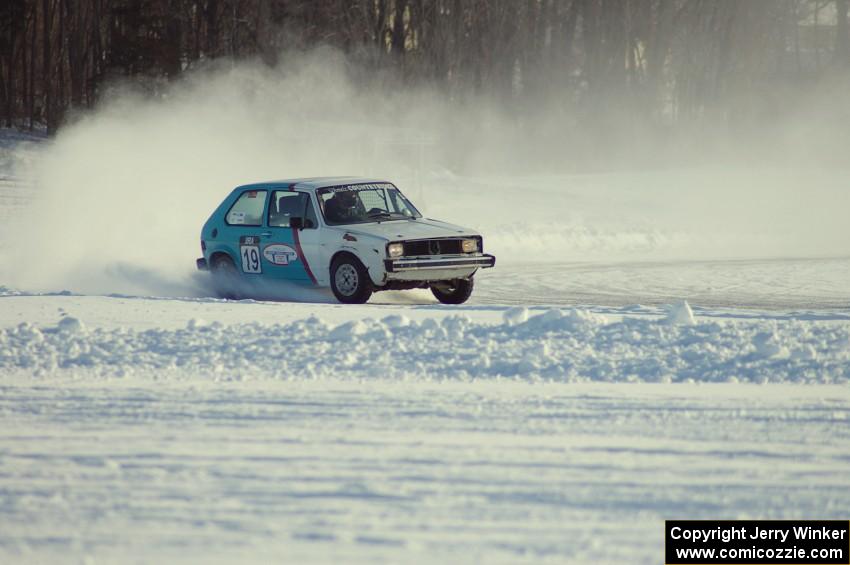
(661, 61)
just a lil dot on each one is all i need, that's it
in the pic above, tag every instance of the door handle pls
(266, 234)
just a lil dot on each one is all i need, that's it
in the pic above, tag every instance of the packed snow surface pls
(390, 471)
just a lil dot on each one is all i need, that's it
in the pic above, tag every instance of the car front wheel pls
(456, 291)
(350, 280)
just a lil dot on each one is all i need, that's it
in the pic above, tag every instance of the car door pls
(243, 230)
(289, 253)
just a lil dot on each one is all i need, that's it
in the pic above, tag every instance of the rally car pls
(354, 235)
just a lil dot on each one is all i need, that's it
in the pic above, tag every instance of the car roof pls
(312, 183)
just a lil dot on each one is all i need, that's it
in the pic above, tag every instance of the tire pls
(455, 291)
(350, 281)
(225, 277)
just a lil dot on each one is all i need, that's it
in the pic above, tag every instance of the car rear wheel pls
(350, 280)
(225, 277)
(455, 291)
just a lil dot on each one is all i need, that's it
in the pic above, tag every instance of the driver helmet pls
(347, 198)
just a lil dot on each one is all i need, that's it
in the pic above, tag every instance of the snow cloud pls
(122, 192)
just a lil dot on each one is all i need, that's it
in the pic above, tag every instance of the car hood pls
(397, 230)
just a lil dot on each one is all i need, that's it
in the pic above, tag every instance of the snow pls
(515, 315)
(391, 471)
(596, 384)
(680, 313)
(322, 341)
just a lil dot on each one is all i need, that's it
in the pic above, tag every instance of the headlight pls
(395, 249)
(469, 245)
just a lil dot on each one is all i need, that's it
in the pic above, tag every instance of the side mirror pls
(297, 223)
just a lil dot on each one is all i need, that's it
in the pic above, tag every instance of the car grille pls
(433, 247)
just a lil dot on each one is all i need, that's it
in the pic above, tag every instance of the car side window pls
(248, 209)
(286, 204)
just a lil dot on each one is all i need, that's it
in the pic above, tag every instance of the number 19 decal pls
(250, 259)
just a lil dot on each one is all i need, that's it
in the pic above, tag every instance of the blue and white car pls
(354, 235)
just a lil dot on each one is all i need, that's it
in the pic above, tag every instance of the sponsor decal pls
(360, 187)
(249, 251)
(279, 254)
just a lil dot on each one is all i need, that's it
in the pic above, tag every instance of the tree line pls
(666, 60)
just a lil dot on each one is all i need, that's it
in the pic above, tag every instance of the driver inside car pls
(344, 207)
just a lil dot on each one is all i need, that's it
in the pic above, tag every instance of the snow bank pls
(559, 346)
(680, 313)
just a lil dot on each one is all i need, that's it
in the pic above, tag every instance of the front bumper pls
(202, 264)
(403, 264)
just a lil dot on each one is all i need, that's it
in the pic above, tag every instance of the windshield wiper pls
(382, 214)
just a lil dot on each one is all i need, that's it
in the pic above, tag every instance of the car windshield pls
(364, 203)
